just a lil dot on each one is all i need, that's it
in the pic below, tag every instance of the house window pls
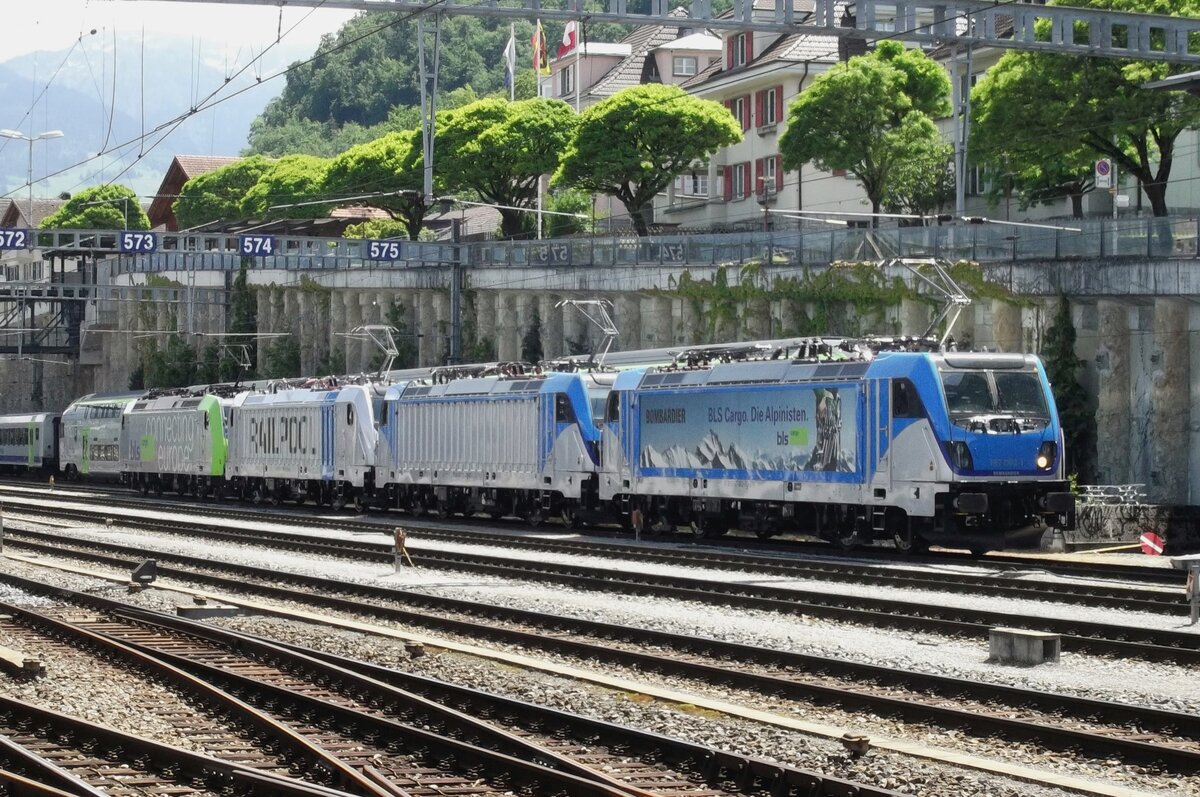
(683, 65)
(566, 83)
(768, 177)
(694, 183)
(739, 110)
(738, 179)
(769, 101)
(741, 47)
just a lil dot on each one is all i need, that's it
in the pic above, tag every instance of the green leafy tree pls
(218, 195)
(243, 322)
(208, 370)
(291, 182)
(632, 144)
(389, 173)
(569, 200)
(867, 115)
(102, 207)
(922, 184)
(1042, 108)
(1075, 413)
(172, 366)
(283, 358)
(531, 343)
(499, 150)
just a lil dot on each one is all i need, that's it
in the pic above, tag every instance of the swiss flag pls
(568, 39)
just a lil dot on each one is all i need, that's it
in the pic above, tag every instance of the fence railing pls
(1152, 238)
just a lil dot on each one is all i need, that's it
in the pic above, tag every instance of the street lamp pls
(19, 136)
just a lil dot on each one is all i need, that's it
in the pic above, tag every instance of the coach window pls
(905, 401)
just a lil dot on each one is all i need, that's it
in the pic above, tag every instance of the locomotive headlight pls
(1045, 455)
(960, 455)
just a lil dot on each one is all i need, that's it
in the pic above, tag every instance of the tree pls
(531, 342)
(867, 115)
(283, 358)
(283, 190)
(173, 366)
(1043, 108)
(1075, 414)
(218, 195)
(392, 166)
(923, 183)
(573, 201)
(243, 323)
(500, 150)
(102, 207)
(633, 144)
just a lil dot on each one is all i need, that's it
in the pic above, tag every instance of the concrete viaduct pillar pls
(1170, 364)
(1113, 397)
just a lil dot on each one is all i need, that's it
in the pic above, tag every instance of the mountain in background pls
(154, 85)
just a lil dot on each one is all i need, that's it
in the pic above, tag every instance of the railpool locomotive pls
(303, 444)
(521, 445)
(855, 441)
(850, 440)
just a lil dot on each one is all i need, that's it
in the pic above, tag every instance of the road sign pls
(1152, 544)
(1104, 173)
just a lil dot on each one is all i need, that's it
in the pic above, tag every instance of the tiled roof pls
(15, 211)
(195, 165)
(642, 41)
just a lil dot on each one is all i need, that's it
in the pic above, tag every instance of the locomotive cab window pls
(906, 403)
(563, 411)
(612, 412)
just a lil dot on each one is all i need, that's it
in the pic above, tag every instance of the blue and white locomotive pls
(518, 445)
(851, 441)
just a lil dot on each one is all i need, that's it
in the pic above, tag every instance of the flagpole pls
(512, 67)
(578, 75)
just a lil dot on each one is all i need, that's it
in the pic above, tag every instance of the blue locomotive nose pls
(1009, 455)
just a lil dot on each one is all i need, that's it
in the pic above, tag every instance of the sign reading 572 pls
(14, 238)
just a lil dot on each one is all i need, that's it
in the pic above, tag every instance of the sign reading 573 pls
(138, 242)
(13, 238)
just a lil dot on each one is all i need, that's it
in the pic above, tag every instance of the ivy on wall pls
(848, 298)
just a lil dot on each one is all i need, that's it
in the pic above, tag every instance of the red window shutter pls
(729, 51)
(746, 181)
(728, 183)
(778, 173)
(749, 46)
(745, 113)
(758, 175)
(779, 103)
(758, 108)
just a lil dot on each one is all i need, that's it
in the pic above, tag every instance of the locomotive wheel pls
(536, 516)
(568, 516)
(907, 540)
(706, 527)
(848, 538)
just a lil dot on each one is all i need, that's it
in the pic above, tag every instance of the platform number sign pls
(385, 250)
(11, 238)
(256, 245)
(138, 242)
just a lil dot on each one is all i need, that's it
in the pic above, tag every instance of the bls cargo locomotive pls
(854, 441)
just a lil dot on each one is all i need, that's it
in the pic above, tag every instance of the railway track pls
(409, 744)
(1055, 721)
(1157, 598)
(1078, 635)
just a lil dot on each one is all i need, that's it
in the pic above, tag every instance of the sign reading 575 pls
(14, 238)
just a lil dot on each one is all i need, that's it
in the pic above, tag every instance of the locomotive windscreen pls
(990, 392)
